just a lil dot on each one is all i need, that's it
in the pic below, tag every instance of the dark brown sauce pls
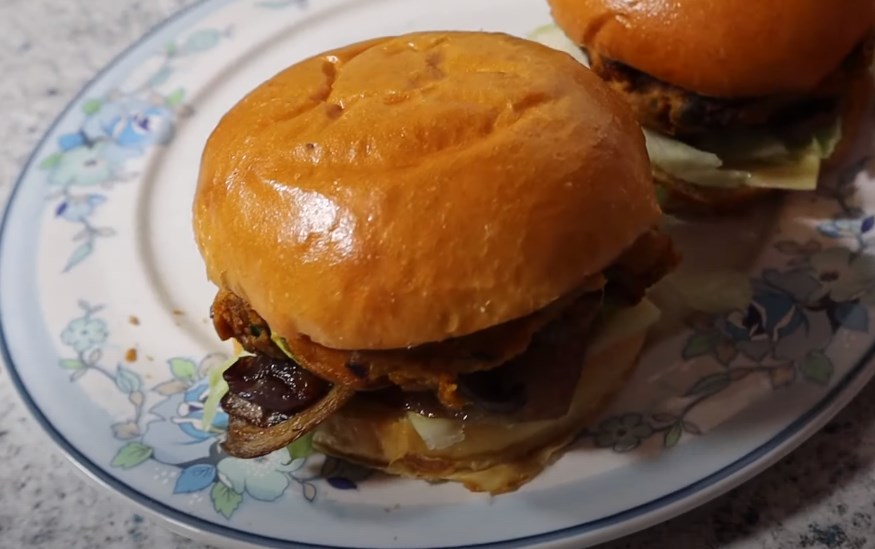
(276, 386)
(537, 385)
(493, 392)
(424, 403)
(487, 395)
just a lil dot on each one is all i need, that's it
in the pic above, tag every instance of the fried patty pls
(679, 112)
(438, 366)
(523, 370)
(417, 368)
(271, 402)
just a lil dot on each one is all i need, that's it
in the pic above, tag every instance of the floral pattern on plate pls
(807, 300)
(117, 129)
(783, 334)
(179, 438)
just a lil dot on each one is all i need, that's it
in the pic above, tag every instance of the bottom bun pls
(486, 456)
(682, 198)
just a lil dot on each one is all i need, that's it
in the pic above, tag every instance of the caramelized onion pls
(246, 440)
(265, 391)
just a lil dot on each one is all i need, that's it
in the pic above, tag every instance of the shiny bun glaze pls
(413, 189)
(722, 48)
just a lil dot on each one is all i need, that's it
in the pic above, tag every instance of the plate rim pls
(628, 521)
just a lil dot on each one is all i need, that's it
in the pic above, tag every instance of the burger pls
(736, 99)
(433, 250)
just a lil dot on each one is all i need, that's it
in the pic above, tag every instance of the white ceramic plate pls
(104, 317)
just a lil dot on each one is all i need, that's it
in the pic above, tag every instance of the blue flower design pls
(77, 209)
(195, 478)
(844, 227)
(130, 123)
(191, 414)
(144, 127)
(118, 127)
(180, 435)
(84, 333)
(265, 478)
(622, 433)
(777, 322)
(87, 166)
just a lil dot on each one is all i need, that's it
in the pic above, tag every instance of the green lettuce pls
(218, 388)
(302, 447)
(731, 159)
(745, 159)
(284, 347)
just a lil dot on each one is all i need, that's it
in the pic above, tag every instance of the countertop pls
(822, 495)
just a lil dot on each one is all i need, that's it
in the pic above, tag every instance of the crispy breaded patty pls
(437, 366)
(675, 111)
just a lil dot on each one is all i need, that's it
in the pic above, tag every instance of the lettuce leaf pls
(218, 387)
(284, 347)
(302, 447)
(727, 160)
(753, 160)
(677, 158)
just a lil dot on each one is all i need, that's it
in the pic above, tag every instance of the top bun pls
(409, 190)
(722, 48)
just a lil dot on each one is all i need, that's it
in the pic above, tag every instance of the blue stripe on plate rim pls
(645, 515)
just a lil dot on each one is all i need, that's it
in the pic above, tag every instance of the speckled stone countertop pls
(822, 495)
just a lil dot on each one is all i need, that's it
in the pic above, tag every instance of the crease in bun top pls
(434, 251)
(736, 98)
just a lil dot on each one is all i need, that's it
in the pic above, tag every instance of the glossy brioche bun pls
(492, 457)
(413, 189)
(722, 48)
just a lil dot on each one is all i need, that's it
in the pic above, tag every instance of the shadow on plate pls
(812, 498)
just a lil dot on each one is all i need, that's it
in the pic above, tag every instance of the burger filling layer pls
(770, 142)
(523, 370)
(774, 142)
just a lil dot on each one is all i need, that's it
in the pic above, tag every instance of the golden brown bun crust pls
(722, 48)
(408, 190)
(496, 458)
